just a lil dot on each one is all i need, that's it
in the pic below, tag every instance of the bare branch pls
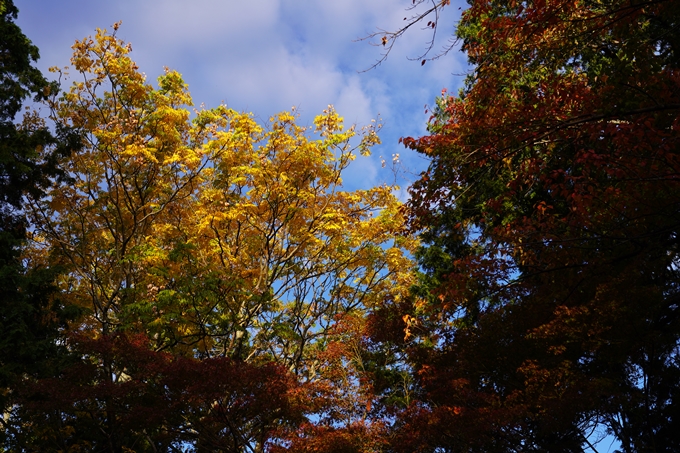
(387, 39)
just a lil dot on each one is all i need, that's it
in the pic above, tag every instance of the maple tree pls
(211, 260)
(160, 402)
(547, 312)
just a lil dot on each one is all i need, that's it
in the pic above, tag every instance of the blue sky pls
(265, 56)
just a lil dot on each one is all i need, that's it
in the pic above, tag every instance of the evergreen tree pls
(29, 311)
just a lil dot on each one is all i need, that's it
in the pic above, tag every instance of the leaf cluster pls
(549, 221)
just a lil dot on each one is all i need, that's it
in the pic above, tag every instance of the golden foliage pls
(214, 235)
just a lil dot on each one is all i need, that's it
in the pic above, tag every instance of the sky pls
(267, 56)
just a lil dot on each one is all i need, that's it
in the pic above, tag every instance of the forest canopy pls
(179, 279)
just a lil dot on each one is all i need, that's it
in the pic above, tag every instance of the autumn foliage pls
(195, 280)
(547, 314)
(155, 400)
(209, 262)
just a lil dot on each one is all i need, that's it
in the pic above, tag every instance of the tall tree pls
(28, 310)
(548, 306)
(217, 249)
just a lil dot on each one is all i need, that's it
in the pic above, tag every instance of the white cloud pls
(265, 56)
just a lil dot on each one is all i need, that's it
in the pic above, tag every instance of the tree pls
(29, 311)
(547, 310)
(216, 248)
(161, 402)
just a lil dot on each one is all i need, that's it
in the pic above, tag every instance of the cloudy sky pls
(265, 56)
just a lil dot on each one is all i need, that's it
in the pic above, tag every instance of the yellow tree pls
(214, 236)
(137, 160)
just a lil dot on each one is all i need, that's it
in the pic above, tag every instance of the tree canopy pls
(196, 280)
(212, 262)
(547, 312)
